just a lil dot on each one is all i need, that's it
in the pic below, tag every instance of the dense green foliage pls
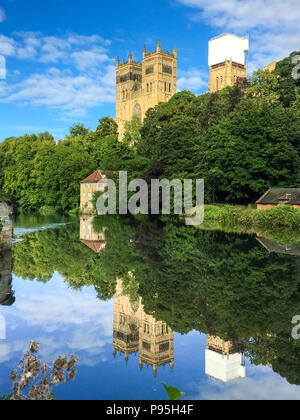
(241, 141)
(37, 173)
(212, 282)
(273, 218)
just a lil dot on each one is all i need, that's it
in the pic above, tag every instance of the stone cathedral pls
(141, 86)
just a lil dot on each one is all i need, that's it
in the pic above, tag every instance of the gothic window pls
(167, 69)
(170, 87)
(149, 69)
(135, 306)
(164, 347)
(137, 111)
(136, 86)
(150, 87)
(147, 87)
(146, 346)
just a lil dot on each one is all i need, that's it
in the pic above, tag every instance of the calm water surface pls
(141, 303)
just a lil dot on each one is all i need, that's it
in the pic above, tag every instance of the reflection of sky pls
(66, 321)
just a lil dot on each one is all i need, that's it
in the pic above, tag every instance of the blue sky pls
(60, 54)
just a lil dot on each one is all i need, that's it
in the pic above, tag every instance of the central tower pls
(141, 86)
(227, 61)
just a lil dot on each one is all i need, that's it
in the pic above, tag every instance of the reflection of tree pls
(227, 286)
(43, 253)
(220, 284)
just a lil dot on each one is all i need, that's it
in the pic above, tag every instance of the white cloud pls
(2, 15)
(83, 76)
(7, 46)
(192, 79)
(85, 60)
(68, 48)
(59, 89)
(273, 25)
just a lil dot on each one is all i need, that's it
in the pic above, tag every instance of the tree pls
(265, 84)
(78, 130)
(107, 127)
(251, 150)
(132, 134)
(287, 84)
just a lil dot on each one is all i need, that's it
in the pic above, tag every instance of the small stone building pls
(93, 240)
(97, 181)
(278, 197)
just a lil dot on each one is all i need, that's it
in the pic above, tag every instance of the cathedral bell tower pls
(227, 61)
(141, 86)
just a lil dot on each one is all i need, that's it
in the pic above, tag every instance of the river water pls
(141, 302)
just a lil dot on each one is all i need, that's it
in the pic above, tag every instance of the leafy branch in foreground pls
(37, 378)
(173, 393)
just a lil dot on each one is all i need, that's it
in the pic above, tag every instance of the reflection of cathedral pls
(223, 360)
(134, 331)
(95, 241)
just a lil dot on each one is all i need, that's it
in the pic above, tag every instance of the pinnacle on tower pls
(175, 51)
(158, 48)
(118, 61)
(130, 57)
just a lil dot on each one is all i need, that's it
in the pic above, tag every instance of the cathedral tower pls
(227, 61)
(141, 86)
(136, 332)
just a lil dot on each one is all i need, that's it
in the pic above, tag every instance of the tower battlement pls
(227, 60)
(142, 85)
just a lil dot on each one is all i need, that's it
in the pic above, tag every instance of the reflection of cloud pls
(62, 320)
(262, 384)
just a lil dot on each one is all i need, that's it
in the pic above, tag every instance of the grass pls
(280, 223)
